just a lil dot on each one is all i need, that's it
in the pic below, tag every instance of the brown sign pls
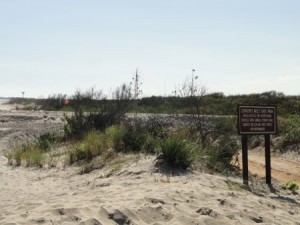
(257, 120)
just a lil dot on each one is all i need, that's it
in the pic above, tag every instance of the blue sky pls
(235, 46)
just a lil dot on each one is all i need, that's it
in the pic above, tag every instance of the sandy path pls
(283, 169)
(19, 126)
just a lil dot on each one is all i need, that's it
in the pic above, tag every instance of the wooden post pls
(245, 159)
(268, 159)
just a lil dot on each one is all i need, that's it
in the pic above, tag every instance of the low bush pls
(156, 127)
(53, 102)
(76, 125)
(177, 153)
(94, 144)
(151, 145)
(226, 125)
(220, 155)
(78, 154)
(116, 134)
(134, 137)
(289, 128)
(48, 141)
(100, 114)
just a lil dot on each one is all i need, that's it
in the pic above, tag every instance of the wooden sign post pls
(257, 120)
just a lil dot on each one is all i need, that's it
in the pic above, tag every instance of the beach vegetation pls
(216, 103)
(116, 134)
(115, 168)
(48, 141)
(221, 153)
(151, 145)
(93, 144)
(134, 137)
(100, 114)
(26, 154)
(290, 131)
(177, 152)
(236, 186)
(291, 185)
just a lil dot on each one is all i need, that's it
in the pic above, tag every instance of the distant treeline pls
(210, 104)
(219, 104)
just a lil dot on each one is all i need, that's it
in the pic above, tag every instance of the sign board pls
(257, 120)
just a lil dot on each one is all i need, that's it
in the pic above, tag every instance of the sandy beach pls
(138, 193)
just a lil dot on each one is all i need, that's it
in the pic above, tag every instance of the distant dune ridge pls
(139, 193)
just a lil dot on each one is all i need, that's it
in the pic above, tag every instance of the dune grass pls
(27, 154)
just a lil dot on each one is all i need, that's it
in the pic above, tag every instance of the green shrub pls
(94, 144)
(134, 137)
(116, 134)
(291, 185)
(226, 125)
(220, 155)
(177, 153)
(290, 130)
(76, 124)
(47, 141)
(77, 154)
(96, 114)
(151, 145)
(53, 102)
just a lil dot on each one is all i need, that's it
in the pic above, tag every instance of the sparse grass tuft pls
(116, 167)
(28, 154)
(232, 185)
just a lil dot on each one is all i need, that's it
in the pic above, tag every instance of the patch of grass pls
(27, 153)
(291, 185)
(177, 153)
(32, 154)
(33, 157)
(116, 167)
(15, 156)
(232, 185)
(94, 144)
(116, 134)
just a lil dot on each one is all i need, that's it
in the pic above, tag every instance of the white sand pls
(138, 194)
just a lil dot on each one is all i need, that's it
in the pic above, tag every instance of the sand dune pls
(137, 194)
